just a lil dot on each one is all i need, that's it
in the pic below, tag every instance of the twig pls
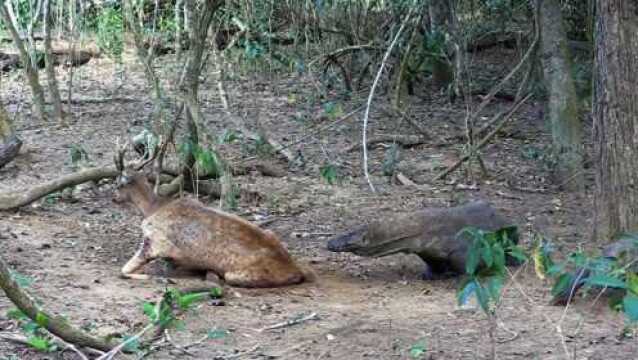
(364, 142)
(289, 322)
(344, 50)
(484, 141)
(404, 140)
(177, 346)
(109, 355)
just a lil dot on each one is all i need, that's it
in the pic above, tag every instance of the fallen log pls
(56, 325)
(19, 198)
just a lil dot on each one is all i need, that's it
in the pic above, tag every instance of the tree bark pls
(615, 113)
(31, 72)
(49, 62)
(563, 114)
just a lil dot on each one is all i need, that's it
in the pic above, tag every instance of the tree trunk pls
(615, 113)
(30, 71)
(9, 142)
(563, 114)
(56, 100)
(441, 21)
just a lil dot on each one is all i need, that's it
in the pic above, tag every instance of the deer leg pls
(136, 262)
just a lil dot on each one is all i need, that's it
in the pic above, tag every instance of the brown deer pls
(196, 237)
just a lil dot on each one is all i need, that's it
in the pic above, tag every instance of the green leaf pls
(16, 314)
(631, 280)
(499, 258)
(30, 327)
(605, 280)
(39, 343)
(149, 310)
(419, 349)
(208, 161)
(472, 261)
(216, 334)
(483, 297)
(494, 286)
(468, 288)
(486, 254)
(216, 292)
(133, 345)
(185, 301)
(329, 173)
(630, 307)
(41, 319)
(519, 254)
(562, 284)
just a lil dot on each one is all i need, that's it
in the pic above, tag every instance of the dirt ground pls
(74, 245)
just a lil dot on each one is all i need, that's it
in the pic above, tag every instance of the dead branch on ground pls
(403, 140)
(57, 325)
(19, 198)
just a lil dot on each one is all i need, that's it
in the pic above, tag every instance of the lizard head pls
(352, 241)
(363, 242)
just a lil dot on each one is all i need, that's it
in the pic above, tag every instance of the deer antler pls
(160, 147)
(137, 165)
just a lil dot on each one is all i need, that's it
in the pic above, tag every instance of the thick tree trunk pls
(563, 114)
(441, 21)
(615, 113)
(31, 72)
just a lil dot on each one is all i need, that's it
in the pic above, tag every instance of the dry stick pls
(484, 141)
(109, 355)
(345, 50)
(289, 323)
(16, 199)
(488, 98)
(57, 325)
(403, 140)
(369, 103)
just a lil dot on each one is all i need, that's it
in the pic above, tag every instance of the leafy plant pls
(485, 270)
(602, 271)
(110, 27)
(206, 160)
(418, 350)
(329, 173)
(333, 110)
(164, 314)
(37, 337)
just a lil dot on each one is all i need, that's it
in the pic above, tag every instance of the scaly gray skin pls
(625, 249)
(431, 233)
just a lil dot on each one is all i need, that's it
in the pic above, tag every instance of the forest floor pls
(73, 244)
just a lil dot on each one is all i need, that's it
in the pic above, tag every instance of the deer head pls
(131, 183)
